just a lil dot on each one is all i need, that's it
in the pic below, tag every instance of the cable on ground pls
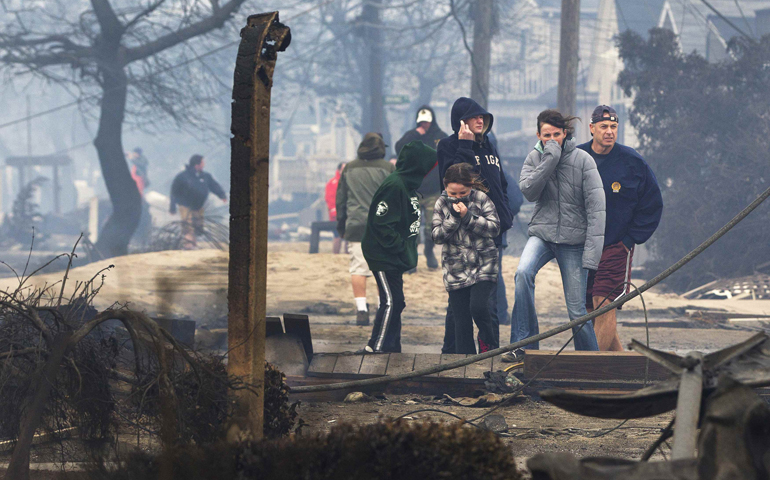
(536, 338)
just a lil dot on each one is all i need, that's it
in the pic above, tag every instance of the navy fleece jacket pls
(482, 155)
(634, 202)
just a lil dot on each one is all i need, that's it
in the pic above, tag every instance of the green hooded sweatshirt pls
(393, 225)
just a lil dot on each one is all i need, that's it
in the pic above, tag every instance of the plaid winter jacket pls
(469, 254)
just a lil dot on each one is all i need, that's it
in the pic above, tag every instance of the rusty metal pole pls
(688, 408)
(261, 40)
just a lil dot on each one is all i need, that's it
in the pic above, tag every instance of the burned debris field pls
(382, 239)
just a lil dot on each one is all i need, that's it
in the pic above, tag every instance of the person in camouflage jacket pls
(465, 222)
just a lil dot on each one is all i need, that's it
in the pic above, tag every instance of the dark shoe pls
(432, 262)
(362, 318)
(505, 320)
(414, 270)
(515, 356)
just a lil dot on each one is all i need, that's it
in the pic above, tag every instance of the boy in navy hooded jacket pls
(470, 144)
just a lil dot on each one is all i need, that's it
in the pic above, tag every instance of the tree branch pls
(216, 20)
(147, 11)
(110, 27)
(42, 51)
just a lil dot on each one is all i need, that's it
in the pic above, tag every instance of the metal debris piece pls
(748, 363)
(357, 397)
(494, 423)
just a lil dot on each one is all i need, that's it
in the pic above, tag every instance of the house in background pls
(308, 147)
(521, 89)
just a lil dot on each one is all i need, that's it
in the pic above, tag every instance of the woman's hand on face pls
(460, 208)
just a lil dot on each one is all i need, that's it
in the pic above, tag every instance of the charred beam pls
(261, 40)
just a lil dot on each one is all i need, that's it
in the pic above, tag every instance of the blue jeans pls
(536, 254)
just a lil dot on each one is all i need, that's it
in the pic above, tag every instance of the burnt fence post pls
(261, 40)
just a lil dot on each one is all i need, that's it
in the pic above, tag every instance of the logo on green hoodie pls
(382, 209)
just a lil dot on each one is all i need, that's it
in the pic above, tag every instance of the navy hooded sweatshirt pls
(634, 202)
(482, 155)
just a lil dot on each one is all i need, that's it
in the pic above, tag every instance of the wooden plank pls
(400, 363)
(591, 366)
(322, 365)
(348, 365)
(476, 370)
(374, 365)
(455, 372)
(424, 360)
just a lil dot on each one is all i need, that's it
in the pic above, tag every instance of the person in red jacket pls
(331, 203)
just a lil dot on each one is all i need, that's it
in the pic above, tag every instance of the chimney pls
(762, 22)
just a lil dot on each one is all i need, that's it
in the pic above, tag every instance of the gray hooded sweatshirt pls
(569, 196)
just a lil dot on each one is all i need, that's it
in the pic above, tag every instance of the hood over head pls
(372, 147)
(421, 112)
(414, 162)
(465, 107)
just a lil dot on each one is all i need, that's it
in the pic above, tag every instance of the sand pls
(194, 284)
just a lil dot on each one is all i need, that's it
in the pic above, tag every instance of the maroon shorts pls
(614, 270)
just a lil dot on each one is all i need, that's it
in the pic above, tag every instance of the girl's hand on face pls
(460, 208)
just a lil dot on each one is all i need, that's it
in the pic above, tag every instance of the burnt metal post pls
(261, 40)
(688, 407)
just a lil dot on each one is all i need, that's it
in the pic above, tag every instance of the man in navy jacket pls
(634, 207)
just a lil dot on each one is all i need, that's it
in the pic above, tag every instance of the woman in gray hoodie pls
(567, 224)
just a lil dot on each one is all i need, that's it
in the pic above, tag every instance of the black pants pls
(386, 334)
(469, 305)
(449, 326)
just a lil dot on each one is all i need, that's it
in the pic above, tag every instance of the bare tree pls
(362, 49)
(118, 57)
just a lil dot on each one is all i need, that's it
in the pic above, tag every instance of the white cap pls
(424, 115)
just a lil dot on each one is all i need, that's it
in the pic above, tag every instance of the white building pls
(308, 147)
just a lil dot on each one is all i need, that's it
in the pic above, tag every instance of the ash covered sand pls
(194, 284)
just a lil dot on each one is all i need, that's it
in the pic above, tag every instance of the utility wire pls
(536, 338)
(158, 72)
(728, 21)
(513, 395)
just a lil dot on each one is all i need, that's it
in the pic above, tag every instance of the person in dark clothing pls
(470, 143)
(465, 222)
(427, 130)
(634, 208)
(515, 200)
(429, 133)
(190, 190)
(390, 241)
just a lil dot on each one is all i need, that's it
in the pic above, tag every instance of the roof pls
(691, 19)
(39, 161)
(638, 16)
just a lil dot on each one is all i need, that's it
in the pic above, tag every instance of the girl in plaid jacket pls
(465, 222)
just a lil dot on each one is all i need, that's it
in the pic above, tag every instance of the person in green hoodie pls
(390, 241)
